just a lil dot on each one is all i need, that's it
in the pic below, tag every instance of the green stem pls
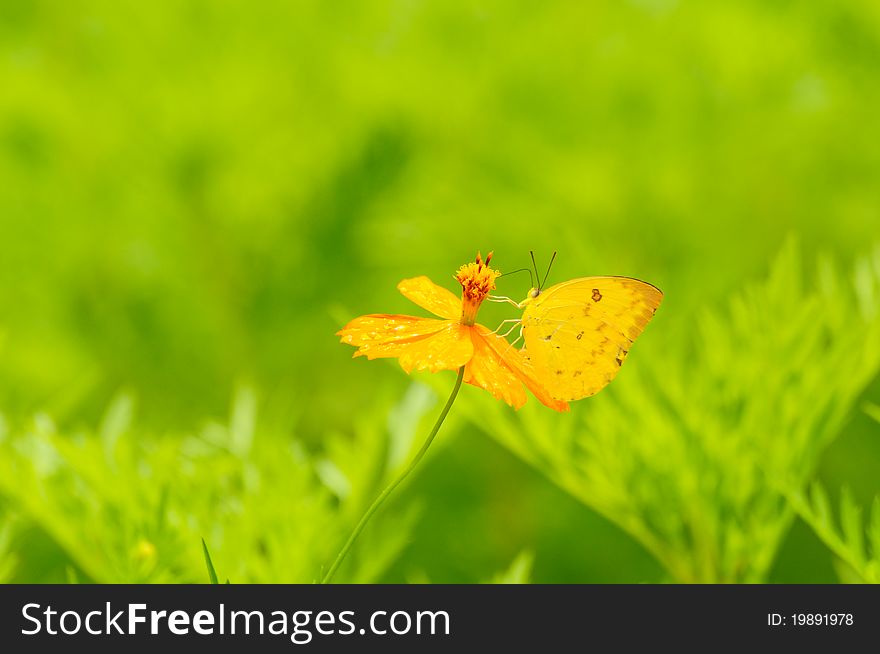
(394, 484)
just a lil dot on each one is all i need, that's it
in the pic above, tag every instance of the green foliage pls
(873, 410)
(126, 507)
(172, 223)
(195, 196)
(212, 574)
(7, 556)
(687, 449)
(856, 545)
(519, 572)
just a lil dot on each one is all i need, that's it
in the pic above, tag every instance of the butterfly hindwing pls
(578, 333)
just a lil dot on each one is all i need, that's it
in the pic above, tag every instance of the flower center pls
(477, 280)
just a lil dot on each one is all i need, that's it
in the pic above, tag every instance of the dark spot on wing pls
(596, 295)
(558, 372)
(577, 373)
(547, 337)
(580, 335)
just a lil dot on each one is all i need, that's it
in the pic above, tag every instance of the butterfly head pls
(536, 291)
(533, 295)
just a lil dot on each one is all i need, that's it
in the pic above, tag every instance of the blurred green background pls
(194, 196)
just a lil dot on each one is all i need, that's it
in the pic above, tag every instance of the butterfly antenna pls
(528, 270)
(535, 265)
(549, 265)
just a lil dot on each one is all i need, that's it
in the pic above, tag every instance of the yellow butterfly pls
(578, 333)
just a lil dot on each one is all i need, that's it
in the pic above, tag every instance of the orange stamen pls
(477, 281)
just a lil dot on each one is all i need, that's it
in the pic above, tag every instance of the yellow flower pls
(453, 341)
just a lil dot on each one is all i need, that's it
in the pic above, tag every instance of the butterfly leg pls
(514, 341)
(507, 333)
(503, 298)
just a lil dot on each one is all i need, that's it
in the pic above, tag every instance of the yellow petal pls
(487, 370)
(517, 363)
(432, 297)
(419, 343)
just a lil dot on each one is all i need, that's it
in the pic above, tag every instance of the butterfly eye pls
(535, 292)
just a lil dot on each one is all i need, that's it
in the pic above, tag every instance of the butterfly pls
(454, 341)
(578, 333)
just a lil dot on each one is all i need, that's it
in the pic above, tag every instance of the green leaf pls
(212, 574)
(874, 529)
(821, 506)
(519, 572)
(848, 543)
(853, 530)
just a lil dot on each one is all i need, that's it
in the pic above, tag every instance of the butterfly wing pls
(503, 369)
(578, 333)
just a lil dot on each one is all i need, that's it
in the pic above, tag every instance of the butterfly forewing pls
(578, 333)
